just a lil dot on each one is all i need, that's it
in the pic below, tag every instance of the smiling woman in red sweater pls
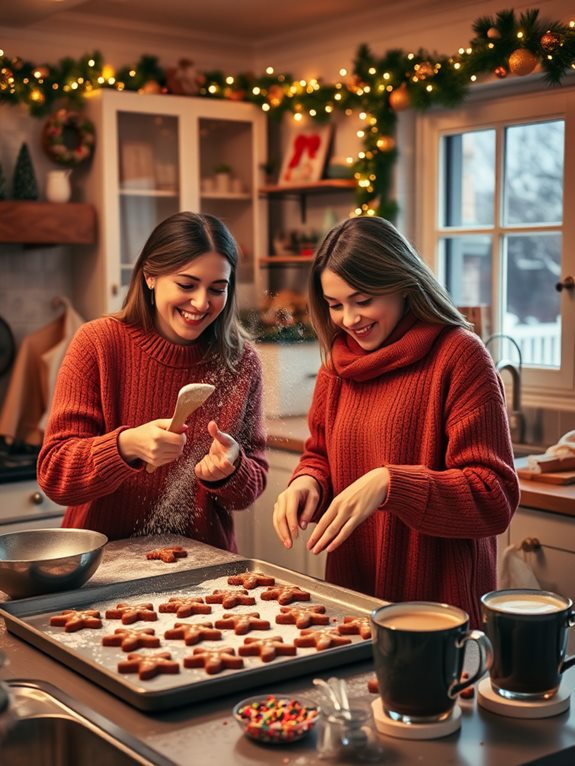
(408, 471)
(118, 385)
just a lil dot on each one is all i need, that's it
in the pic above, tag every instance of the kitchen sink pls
(47, 728)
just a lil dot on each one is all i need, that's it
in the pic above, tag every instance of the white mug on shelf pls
(58, 188)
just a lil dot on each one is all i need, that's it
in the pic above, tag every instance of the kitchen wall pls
(30, 278)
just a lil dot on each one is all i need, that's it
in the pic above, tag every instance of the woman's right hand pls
(295, 508)
(152, 443)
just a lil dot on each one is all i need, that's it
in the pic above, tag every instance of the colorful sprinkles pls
(275, 719)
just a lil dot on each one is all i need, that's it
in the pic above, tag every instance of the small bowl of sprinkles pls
(276, 718)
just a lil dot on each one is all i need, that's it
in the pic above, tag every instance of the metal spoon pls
(190, 397)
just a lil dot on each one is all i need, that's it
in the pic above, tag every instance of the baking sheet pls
(83, 651)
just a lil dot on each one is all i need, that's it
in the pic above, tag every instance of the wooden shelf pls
(319, 187)
(47, 223)
(279, 260)
(301, 192)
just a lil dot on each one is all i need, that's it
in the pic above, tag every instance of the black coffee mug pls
(418, 651)
(528, 630)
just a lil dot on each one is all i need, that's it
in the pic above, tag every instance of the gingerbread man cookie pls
(251, 580)
(353, 626)
(149, 665)
(193, 632)
(302, 616)
(214, 660)
(285, 594)
(130, 613)
(131, 639)
(267, 648)
(167, 555)
(243, 623)
(321, 639)
(230, 598)
(185, 606)
(74, 619)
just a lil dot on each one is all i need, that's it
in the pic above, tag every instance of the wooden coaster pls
(433, 730)
(495, 703)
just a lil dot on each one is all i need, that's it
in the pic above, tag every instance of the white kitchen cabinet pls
(23, 505)
(156, 155)
(553, 562)
(255, 534)
(289, 374)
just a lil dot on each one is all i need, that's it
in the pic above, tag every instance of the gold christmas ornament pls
(500, 72)
(151, 87)
(399, 99)
(550, 41)
(385, 143)
(493, 33)
(522, 62)
(275, 95)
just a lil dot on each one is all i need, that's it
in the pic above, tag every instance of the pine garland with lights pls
(377, 88)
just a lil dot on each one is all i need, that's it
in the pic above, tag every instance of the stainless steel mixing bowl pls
(37, 561)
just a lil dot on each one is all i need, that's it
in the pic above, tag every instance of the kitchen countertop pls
(290, 433)
(208, 730)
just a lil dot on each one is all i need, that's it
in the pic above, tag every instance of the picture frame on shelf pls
(306, 156)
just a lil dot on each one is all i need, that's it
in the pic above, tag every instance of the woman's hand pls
(152, 443)
(349, 509)
(221, 460)
(300, 499)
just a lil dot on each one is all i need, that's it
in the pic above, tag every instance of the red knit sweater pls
(115, 377)
(429, 406)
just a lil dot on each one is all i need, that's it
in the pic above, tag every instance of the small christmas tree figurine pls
(24, 185)
(2, 183)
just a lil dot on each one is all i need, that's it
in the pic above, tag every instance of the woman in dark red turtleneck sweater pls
(408, 471)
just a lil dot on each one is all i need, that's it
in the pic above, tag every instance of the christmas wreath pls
(68, 137)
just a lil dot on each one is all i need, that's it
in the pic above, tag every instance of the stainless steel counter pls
(205, 733)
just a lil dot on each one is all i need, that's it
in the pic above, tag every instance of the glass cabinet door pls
(148, 180)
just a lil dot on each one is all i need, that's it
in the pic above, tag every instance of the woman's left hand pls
(348, 510)
(220, 462)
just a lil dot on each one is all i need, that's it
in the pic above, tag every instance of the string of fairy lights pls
(374, 90)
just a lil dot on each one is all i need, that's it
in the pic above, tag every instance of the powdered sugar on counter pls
(126, 559)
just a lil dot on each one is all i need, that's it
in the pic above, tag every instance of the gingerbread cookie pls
(285, 594)
(230, 598)
(214, 660)
(354, 626)
(243, 623)
(302, 616)
(321, 639)
(167, 555)
(193, 632)
(267, 648)
(74, 619)
(130, 613)
(251, 580)
(131, 639)
(149, 665)
(185, 606)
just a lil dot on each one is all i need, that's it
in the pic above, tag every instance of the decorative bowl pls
(38, 561)
(276, 718)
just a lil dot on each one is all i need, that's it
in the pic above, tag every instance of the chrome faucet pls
(516, 418)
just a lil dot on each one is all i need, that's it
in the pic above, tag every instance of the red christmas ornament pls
(550, 41)
(493, 33)
(500, 72)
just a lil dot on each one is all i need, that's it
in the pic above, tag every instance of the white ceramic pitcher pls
(58, 187)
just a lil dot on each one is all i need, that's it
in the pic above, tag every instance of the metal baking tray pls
(83, 651)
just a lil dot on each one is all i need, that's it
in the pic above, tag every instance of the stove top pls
(17, 461)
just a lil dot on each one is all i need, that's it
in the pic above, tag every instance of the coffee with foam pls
(527, 603)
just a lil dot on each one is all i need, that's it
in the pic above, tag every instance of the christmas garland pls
(68, 137)
(377, 88)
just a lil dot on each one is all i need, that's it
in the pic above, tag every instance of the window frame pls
(496, 106)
